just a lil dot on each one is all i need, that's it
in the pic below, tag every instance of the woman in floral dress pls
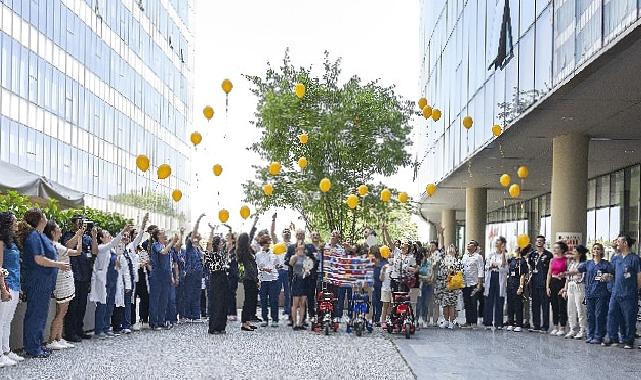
(444, 266)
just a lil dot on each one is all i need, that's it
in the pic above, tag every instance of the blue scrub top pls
(594, 288)
(159, 262)
(12, 264)
(193, 259)
(37, 244)
(625, 275)
(377, 273)
(81, 265)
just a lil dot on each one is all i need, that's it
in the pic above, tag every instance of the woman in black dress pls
(249, 273)
(217, 286)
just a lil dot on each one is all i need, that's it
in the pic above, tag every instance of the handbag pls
(455, 281)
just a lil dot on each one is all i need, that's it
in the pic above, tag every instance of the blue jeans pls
(597, 313)
(105, 310)
(269, 291)
(377, 305)
(191, 294)
(283, 278)
(622, 315)
(424, 301)
(494, 303)
(342, 292)
(159, 283)
(35, 319)
(126, 318)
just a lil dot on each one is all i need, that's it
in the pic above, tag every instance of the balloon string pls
(469, 168)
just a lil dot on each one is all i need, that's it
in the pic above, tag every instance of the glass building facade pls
(467, 67)
(86, 85)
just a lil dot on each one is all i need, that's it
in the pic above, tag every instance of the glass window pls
(543, 54)
(541, 5)
(564, 31)
(617, 16)
(527, 16)
(603, 191)
(527, 94)
(632, 224)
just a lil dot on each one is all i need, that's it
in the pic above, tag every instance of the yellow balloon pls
(164, 171)
(497, 130)
(303, 138)
(430, 189)
(515, 190)
(422, 102)
(386, 195)
(217, 169)
(268, 189)
(208, 112)
(223, 216)
(245, 211)
(302, 162)
(363, 190)
(467, 122)
(523, 172)
(142, 162)
(427, 112)
(403, 197)
(352, 201)
(196, 138)
(274, 168)
(176, 195)
(279, 248)
(299, 89)
(436, 114)
(384, 251)
(325, 185)
(522, 240)
(505, 180)
(227, 86)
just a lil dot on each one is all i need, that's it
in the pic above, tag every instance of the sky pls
(375, 39)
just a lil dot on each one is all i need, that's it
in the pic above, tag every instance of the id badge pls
(598, 276)
(626, 275)
(513, 274)
(88, 254)
(535, 271)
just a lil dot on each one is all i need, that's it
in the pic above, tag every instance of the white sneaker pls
(145, 326)
(425, 324)
(517, 329)
(509, 328)
(126, 331)
(560, 333)
(15, 357)
(553, 332)
(443, 324)
(136, 327)
(580, 335)
(55, 345)
(66, 344)
(569, 335)
(452, 326)
(420, 322)
(7, 362)
(274, 324)
(264, 324)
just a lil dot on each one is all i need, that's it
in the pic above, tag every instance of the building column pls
(569, 185)
(475, 215)
(433, 234)
(448, 221)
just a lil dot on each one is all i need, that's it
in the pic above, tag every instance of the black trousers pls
(143, 293)
(217, 294)
(559, 305)
(469, 301)
(232, 308)
(481, 301)
(73, 325)
(203, 302)
(311, 296)
(540, 305)
(251, 300)
(117, 318)
(514, 307)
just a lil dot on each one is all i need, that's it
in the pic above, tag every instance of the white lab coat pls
(503, 271)
(124, 280)
(99, 275)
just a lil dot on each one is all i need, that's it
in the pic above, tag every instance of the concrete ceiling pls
(602, 100)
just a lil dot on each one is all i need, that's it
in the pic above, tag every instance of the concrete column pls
(475, 215)
(433, 234)
(448, 220)
(569, 185)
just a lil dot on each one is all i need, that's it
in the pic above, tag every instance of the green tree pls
(357, 131)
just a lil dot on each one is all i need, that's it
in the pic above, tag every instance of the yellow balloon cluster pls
(468, 122)
(422, 102)
(142, 162)
(302, 162)
(217, 169)
(208, 112)
(176, 195)
(436, 114)
(515, 190)
(196, 138)
(268, 189)
(430, 189)
(505, 180)
(363, 190)
(522, 240)
(403, 197)
(223, 216)
(386, 195)
(227, 86)
(497, 130)
(163, 171)
(523, 172)
(245, 212)
(303, 138)
(325, 185)
(427, 112)
(384, 251)
(352, 201)
(279, 248)
(299, 90)
(274, 168)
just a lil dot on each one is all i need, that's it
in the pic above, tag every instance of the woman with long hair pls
(65, 290)
(9, 275)
(41, 266)
(218, 284)
(555, 285)
(301, 266)
(574, 292)
(160, 279)
(247, 261)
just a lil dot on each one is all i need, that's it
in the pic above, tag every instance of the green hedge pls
(19, 204)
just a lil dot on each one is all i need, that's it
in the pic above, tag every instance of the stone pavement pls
(188, 352)
(482, 354)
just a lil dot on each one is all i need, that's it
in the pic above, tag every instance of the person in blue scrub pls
(623, 301)
(597, 294)
(193, 274)
(41, 266)
(160, 279)
(172, 311)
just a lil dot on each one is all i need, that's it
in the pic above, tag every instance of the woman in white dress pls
(64, 291)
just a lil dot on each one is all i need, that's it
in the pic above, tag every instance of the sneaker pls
(156, 328)
(6, 362)
(489, 328)
(144, 326)
(55, 345)
(274, 324)
(595, 341)
(609, 343)
(569, 335)
(137, 327)
(264, 324)
(110, 334)
(452, 326)
(509, 328)
(517, 329)
(443, 325)
(560, 333)
(233, 317)
(425, 324)
(66, 344)
(100, 336)
(15, 357)
(553, 332)
(116, 333)
(580, 335)
(420, 321)
(126, 331)
(627, 346)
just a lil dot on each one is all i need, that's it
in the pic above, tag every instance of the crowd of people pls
(144, 279)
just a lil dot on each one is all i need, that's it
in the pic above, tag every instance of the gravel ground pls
(188, 352)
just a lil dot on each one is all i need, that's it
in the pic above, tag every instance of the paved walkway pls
(482, 354)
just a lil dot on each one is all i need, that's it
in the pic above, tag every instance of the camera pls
(89, 225)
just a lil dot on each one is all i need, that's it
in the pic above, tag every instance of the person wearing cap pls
(473, 274)
(574, 292)
(623, 301)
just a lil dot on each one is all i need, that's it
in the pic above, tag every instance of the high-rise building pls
(561, 80)
(89, 84)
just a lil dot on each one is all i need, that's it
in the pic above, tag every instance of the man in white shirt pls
(473, 273)
(268, 265)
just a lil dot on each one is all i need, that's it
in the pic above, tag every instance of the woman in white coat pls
(496, 271)
(104, 279)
